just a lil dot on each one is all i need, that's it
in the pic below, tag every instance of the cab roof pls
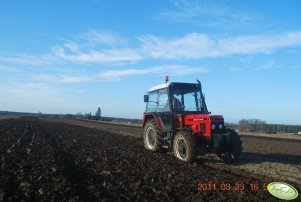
(175, 84)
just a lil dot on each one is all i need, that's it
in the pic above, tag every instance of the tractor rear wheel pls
(235, 150)
(152, 137)
(184, 146)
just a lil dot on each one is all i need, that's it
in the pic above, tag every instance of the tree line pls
(257, 125)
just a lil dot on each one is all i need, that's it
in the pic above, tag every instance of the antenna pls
(166, 79)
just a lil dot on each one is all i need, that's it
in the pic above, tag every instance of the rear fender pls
(148, 116)
(187, 129)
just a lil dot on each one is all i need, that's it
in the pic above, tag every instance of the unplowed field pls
(53, 161)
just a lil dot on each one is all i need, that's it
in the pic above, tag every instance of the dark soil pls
(43, 161)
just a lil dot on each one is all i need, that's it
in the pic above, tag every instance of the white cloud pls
(102, 37)
(8, 69)
(191, 46)
(209, 14)
(61, 78)
(31, 92)
(167, 69)
(113, 75)
(271, 64)
(258, 43)
(235, 69)
(198, 46)
(36, 96)
(117, 74)
(96, 47)
(72, 46)
(25, 59)
(96, 56)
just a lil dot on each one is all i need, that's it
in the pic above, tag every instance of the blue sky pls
(73, 56)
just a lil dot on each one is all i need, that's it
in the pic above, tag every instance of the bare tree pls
(253, 125)
(98, 114)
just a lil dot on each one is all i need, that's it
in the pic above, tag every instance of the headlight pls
(213, 126)
(220, 126)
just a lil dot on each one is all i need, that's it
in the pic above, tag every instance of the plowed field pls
(53, 161)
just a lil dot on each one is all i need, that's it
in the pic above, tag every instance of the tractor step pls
(166, 140)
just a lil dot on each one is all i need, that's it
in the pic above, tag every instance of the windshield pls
(187, 97)
(191, 101)
(186, 100)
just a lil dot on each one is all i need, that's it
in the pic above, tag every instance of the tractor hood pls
(216, 118)
(201, 117)
(202, 124)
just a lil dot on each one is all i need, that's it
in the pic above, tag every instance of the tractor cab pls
(178, 111)
(179, 105)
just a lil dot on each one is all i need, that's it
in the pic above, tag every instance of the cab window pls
(152, 102)
(163, 104)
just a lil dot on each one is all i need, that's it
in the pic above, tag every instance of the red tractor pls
(177, 118)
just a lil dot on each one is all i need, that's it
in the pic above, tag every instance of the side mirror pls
(145, 98)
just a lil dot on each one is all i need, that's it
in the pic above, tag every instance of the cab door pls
(163, 110)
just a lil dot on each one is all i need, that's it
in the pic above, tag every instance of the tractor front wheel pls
(184, 146)
(235, 149)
